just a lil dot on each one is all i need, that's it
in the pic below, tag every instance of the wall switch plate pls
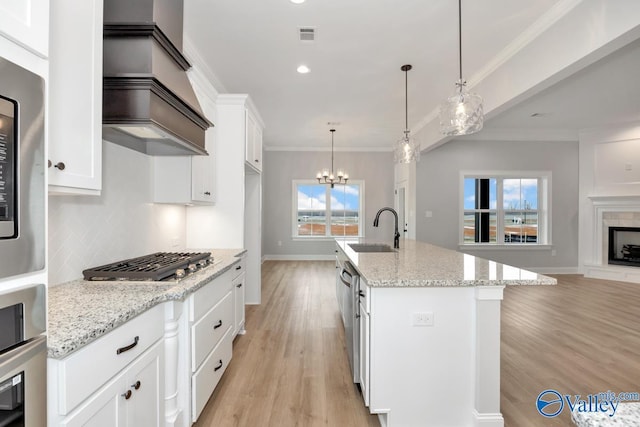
(424, 318)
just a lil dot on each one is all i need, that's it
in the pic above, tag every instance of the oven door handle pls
(342, 278)
(17, 357)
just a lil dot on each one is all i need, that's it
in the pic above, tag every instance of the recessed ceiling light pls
(297, 1)
(303, 69)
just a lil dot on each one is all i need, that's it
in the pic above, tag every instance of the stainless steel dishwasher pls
(351, 314)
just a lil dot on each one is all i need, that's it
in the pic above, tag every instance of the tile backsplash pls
(87, 231)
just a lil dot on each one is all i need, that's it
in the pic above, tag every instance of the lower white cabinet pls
(211, 322)
(238, 302)
(133, 398)
(364, 352)
(117, 380)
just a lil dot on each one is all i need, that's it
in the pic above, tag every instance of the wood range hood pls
(148, 103)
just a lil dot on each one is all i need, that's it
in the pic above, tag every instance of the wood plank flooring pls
(291, 368)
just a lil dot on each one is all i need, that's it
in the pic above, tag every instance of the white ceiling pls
(252, 47)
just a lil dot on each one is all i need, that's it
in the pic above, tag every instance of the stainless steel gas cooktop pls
(155, 267)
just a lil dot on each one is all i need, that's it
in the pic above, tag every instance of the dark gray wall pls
(280, 168)
(438, 175)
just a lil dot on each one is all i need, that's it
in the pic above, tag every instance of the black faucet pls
(396, 237)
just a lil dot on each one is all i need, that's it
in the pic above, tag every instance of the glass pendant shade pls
(407, 149)
(461, 113)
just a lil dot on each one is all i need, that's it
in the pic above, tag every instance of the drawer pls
(209, 295)
(207, 332)
(204, 381)
(87, 369)
(239, 268)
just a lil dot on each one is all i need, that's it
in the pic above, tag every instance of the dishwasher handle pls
(347, 282)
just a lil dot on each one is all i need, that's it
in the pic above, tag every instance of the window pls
(503, 209)
(320, 211)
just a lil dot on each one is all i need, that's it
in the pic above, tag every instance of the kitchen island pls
(430, 333)
(138, 353)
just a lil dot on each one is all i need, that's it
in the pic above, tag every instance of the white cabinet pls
(211, 323)
(188, 180)
(117, 380)
(133, 398)
(364, 342)
(253, 141)
(75, 97)
(26, 22)
(238, 297)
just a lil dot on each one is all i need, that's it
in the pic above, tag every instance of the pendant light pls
(462, 113)
(327, 176)
(407, 148)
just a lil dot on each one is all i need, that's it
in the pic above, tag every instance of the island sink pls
(370, 247)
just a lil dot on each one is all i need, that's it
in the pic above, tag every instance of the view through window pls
(322, 211)
(503, 209)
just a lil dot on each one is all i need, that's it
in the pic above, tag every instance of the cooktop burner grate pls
(158, 266)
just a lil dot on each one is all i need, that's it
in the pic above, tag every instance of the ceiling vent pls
(307, 34)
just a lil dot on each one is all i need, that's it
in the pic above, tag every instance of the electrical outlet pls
(424, 318)
(279, 242)
(428, 214)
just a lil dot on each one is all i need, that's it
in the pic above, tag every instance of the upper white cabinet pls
(26, 22)
(253, 143)
(75, 97)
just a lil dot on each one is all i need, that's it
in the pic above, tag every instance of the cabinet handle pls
(257, 161)
(238, 267)
(60, 166)
(207, 193)
(361, 294)
(129, 347)
(219, 365)
(127, 395)
(217, 325)
(239, 285)
(136, 385)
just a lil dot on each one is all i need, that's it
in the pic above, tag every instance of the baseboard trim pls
(488, 419)
(289, 257)
(555, 270)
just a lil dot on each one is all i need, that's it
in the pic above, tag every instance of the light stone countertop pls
(81, 311)
(419, 264)
(626, 415)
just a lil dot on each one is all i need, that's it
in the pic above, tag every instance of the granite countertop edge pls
(80, 312)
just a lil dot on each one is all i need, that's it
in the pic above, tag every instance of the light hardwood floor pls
(291, 368)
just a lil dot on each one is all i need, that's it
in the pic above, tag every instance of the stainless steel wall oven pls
(22, 183)
(23, 357)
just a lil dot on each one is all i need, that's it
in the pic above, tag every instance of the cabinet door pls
(105, 408)
(364, 353)
(203, 173)
(26, 22)
(257, 148)
(75, 97)
(238, 302)
(145, 406)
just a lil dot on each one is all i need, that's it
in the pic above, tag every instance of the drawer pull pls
(207, 193)
(129, 347)
(219, 365)
(217, 325)
(136, 385)
(238, 267)
(127, 395)
(239, 285)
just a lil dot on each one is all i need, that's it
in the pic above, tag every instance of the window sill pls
(504, 247)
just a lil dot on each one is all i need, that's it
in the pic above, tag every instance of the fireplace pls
(624, 246)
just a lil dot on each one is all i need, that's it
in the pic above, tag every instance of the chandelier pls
(407, 148)
(461, 113)
(326, 176)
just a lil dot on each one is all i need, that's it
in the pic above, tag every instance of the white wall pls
(438, 175)
(88, 231)
(281, 167)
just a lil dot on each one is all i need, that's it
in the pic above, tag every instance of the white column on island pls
(487, 347)
(174, 413)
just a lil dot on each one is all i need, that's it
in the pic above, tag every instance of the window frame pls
(543, 209)
(294, 210)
